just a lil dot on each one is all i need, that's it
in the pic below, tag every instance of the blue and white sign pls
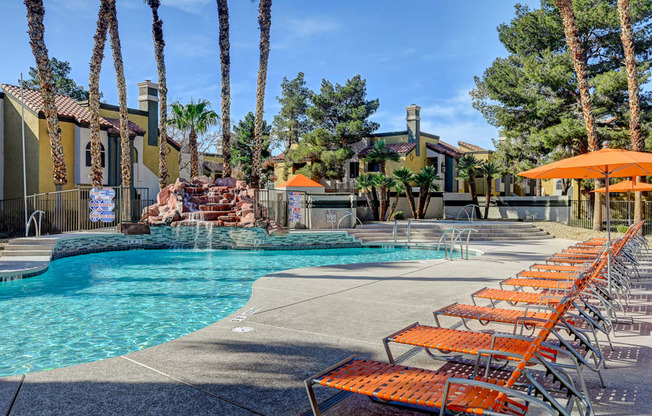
(95, 216)
(107, 216)
(102, 204)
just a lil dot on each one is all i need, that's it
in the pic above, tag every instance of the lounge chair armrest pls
(505, 390)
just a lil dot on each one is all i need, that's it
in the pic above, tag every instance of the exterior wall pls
(83, 138)
(551, 208)
(13, 150)
(46, 184)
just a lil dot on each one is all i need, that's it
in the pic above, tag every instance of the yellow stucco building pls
(74, 121)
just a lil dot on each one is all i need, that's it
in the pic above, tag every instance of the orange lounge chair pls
(566, 260)
(538, 283)
(554, 268)
(513, 297)
(438, 390)
(536, 274)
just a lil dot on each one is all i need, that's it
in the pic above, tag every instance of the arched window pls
(88, 154)
(135, 156)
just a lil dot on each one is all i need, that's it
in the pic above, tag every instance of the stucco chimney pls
(414, 126)
(148, 101)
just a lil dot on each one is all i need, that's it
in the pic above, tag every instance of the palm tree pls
(638, 142)
(35, 13)
(579, 61)
(381, 153)
(194, 118)
(399, 188)
(405, 176)
(385, 184)
(125, 142)
(490, 170)
(425, 178)
(225, 63)
(94, 91)
(159, 46)
(367, 184)
(265, 22)
(467, 166)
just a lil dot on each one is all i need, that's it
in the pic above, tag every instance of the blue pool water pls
(96, 306)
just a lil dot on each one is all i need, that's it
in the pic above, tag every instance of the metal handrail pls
(395, 230)
(468, 238)
(409, 230)
(29, 222)
(469, 217)
(443, 237)
(348, 215)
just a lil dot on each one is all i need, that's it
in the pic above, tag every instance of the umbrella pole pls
(629, 209)
(606, 179)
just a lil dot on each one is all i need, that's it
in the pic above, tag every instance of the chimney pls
(414, 126)
(148, 101)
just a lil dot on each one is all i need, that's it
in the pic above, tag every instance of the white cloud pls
(295, 30)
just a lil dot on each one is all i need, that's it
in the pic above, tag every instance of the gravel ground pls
(572, 233)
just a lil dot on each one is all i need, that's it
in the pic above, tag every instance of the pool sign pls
(102, 204)
(294, 206)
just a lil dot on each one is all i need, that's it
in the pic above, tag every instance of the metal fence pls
(68, 210)
(582, 214)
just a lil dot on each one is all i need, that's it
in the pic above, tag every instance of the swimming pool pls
(97, 306)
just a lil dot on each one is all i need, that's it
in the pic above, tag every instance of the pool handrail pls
(37, 228)
(464, 210)
(468, 238)
(443, 237)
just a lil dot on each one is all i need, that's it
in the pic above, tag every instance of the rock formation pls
(224, 202)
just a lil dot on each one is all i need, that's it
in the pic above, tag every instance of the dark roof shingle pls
(401, 148)
(134, 129)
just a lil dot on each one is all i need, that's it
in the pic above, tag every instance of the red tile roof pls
(444, 148)
(134, 129)
(401, 148)
(470, 146)
(279, 158)
(66, 106)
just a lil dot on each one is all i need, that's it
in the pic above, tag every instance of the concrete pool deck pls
(303, 321)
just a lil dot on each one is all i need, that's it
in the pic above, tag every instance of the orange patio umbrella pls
(629, 187)
(602, 164)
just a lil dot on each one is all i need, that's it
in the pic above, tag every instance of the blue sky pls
(420, 51)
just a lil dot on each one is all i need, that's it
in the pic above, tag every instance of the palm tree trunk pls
(638, 142)
(423, 195)
(103, 19)
(394, 205)
(125, 142)
(410, 198)
(487, 197)
(225, 63)
(383, 203)
(159, 46)
(370, 201)
(579, 61)
(265, 22)
(474, 193)
(194, 155)
(374, 207)
(35, 13)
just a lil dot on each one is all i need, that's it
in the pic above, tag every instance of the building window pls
(559, 185)
(373, 167)
(354, 169)
(135, 155)
(88, 154)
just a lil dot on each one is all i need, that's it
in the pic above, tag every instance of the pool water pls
(97, 306)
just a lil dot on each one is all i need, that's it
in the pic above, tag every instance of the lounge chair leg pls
(390, 357)
(313, 400)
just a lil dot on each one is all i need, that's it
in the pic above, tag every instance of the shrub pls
(622, 228)
(398, 215)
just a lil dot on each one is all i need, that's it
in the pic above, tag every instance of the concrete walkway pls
(303, 321)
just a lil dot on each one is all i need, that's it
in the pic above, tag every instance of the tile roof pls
(279, 158)
(66, 106)
(444, 148)
(470, 146)
(401, 148)
(212, 166)
(134, 129)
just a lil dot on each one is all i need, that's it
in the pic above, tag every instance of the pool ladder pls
(456, 235)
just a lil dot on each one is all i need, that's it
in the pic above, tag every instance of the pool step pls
(28, 247)
(25, 253)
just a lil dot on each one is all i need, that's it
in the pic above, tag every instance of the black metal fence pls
(69, 210)
(622, 212)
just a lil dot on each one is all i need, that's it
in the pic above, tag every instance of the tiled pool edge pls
(188, 238)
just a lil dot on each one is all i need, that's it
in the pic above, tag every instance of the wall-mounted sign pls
(294, 206)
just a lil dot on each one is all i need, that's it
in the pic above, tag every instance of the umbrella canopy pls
(627, 186)
(614, 163)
